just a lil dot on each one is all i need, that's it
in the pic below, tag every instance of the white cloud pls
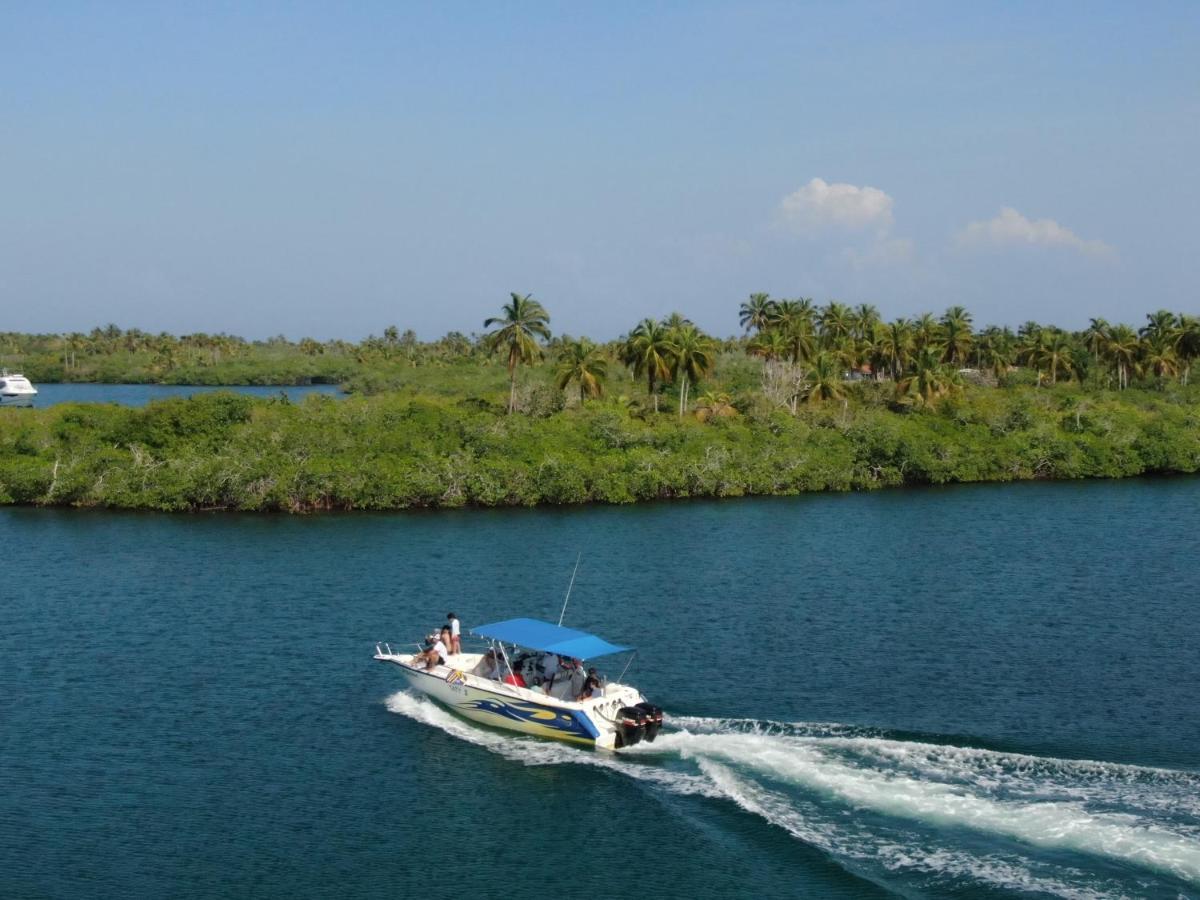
(1010, 227)
(820, 205)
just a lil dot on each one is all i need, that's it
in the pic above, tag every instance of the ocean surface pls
(141, 394)
(977, 691)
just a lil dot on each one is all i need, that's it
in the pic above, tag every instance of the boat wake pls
(913, 815)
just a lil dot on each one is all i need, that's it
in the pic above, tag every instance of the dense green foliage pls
(810, 398)
(227, 451)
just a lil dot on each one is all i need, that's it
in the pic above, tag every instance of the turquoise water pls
(141, 394)
(977, 691)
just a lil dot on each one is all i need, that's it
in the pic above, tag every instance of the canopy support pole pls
(569, 586)
(632, 656)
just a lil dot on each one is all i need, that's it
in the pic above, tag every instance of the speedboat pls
(15, 390)
(506, 686)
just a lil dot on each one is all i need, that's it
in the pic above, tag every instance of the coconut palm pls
(1158, 353)
(755, 313)
(648, 351)
(896, 346)
(770, 345)
(1161, 327)
(1188, 345)
(995, 351)
(836, 321)
(825, 380)
(1051, 351)
(926, 331)
(865, 318)
(691, 359)
(584, 362)
(715, 406)
(1121, 348)
(523, 320)
(1095, 336)
(928, 379)
(956, 335)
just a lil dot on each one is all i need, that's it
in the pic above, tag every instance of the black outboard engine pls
(631, 726)
(654, 720)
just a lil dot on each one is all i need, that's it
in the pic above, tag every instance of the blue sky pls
(329, 169)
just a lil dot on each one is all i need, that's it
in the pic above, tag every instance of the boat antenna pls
(569, 586)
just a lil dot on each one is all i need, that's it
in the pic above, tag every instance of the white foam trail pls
(777, 810)
(1016, 796)
(1045, 823)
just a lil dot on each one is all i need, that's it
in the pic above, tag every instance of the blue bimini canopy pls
(538, 635)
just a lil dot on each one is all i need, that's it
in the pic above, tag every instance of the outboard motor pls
(631, 726)
(654, 719)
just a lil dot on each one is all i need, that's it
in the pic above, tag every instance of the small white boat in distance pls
(507, 688)
(15, 390)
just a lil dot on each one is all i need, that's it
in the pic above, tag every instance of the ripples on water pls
(869, 694)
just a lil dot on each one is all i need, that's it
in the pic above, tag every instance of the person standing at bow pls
(455, 633)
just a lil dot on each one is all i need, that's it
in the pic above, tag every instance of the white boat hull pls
(498, 705)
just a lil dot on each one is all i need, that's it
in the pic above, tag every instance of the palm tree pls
(1122, 348)
(927, 331)
(928, 379)
(691, 359)
(1051, 351)
(836, 321)
(584, 362)
(956, 333)
(1160, 326)
(865, 318)
(755, 313)
(770, 345)
(715, 406)
(825, 380)
(522, 322)
(648, 351)
(1096, 337)
(1188, 345)
(994, 351)
(896, 346)
(1158, 354)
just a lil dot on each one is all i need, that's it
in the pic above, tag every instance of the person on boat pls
(455, 630)
(492, 666)
(593, 686)
(435, 652)
(549, 667)
(447, 639)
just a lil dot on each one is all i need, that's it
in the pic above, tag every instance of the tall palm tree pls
(770, 345)
(1158, 354)
(926, 331)
(896, 345)
(1051, 351)
(1121, 348)
(1096, 337)
(865, 318)
(522, 321)
(691, 359)
(956, 334)
(755, 313)
(1160, 326)
(584, 362)
(825, 381)
(928, 378)
(648, 351)
(836, 321)
(994, 351)
(1188, 345)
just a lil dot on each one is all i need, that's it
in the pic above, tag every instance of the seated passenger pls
(434, 654)
(593, 687)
